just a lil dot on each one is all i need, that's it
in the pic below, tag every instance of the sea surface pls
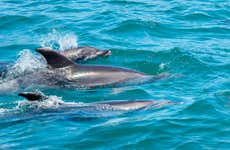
(188, 40)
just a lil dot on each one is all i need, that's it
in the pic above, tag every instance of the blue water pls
(189, 40)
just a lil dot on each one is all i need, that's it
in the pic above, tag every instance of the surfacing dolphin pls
(115, 104)
(89, 76)
(81, 53)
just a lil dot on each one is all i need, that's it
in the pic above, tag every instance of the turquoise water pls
(189, 40)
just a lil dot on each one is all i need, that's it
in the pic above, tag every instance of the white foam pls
(59, 40)
(53, 102)
(2, 110)
(26, 62)
(8, 86)
(113, 122)
(162, 66)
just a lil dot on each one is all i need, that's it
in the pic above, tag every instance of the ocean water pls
(189, 40)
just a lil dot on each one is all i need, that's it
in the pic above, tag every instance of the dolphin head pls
(104, 53)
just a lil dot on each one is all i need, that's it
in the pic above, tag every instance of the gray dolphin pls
(114, 104)
(84, 53)
(81, 53)
(89, 76)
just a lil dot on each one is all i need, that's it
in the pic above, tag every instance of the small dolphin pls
(89, 76)
(84, 53)
(81, 53)
(115, 104)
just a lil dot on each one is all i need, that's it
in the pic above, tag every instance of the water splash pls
(53, 102)
(162, 66)
(59, 40)
(26, 62)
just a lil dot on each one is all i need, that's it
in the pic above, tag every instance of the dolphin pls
(114, 104)
(81, 53)
(90, 76)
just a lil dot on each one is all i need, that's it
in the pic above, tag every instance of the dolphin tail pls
(55, 59)
(30, 96)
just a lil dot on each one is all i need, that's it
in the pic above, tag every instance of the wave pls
(121, 2)
(197, 16)
(137, 26)
(11, 19)
(170, 60)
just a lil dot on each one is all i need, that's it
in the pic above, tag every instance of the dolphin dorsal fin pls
(30, 96)
(55, 59)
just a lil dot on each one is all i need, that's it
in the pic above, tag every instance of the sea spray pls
(59, 40)
(26, 62)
